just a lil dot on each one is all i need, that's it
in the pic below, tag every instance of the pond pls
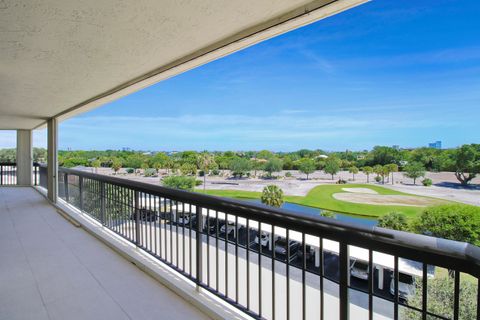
(365, 221)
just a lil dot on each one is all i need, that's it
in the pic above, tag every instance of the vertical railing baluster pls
(320, 260)
(248, 264)
(456, 292)
(102, 201)
(226, 254)
(190, 240)
(217, 272)
(259, 270)
(344, 275)
(136, 209)
(304, 267)
(208, 247)
(236, 259)
(199, 247)
(80, 190)
(370, 284)
(287, 265)
(396, 275)
(424, 291)
(272, 236)
(478, 299)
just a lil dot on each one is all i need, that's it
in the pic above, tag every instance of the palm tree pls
(353, 170)
(116, 165)
(368, 171)
(95, 164)
(272, 196)
(392, 168)
(204, 162)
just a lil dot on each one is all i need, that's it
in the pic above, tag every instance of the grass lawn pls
(322, 197)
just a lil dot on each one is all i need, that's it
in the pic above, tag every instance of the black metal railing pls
(278, 264)
(8, 173)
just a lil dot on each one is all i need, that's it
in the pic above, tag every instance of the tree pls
(135, 161)
(332, 166)
(180, 182)
(414, 170)
(454, 221)
(239, 166)
(385, 155)
(353, 170)
(272, 196)
(368, 171)
(273, 165)
(159, 161)
(440, 293)
(205, 161)
(394, 221)
(467, 163)
(96, 164)
(307, 166)
(116, 165)
(188, 169)
(379, 171)
(391, 168)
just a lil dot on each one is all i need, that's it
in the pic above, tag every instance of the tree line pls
(464, 161)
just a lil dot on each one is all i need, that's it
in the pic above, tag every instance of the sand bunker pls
(386, 200)
(360, 190)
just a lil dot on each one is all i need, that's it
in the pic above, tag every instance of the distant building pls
(396, 147)
(435, 145)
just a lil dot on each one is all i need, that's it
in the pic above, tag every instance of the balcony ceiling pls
(61, 58)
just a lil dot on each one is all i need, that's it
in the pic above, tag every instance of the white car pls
(359, 269)
(228, 228)
(406, 286)
(264, 238)
(184, 219)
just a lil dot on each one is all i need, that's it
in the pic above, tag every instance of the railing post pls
(136, 210)
(1, 175)
(35, 170)
(102, 202)
(344, 275)
(80, 186)
(199, 246)
(65, 186)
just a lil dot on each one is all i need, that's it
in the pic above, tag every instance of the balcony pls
(196, 256)
(53, 270)
(212, 244)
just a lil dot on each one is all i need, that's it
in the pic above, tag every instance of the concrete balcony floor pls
(49, 269)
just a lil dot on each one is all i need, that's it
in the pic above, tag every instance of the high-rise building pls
(435, 145)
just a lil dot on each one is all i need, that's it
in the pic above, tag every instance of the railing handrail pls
(448, 253)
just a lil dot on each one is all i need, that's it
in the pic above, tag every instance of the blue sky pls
(387, 72)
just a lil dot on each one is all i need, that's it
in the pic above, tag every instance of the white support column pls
(52, 160)
(24, 157)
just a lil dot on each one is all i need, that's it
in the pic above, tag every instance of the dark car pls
(281, 248)
(145, 215)
(310, 253)
(210, 225)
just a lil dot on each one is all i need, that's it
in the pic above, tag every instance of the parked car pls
(145, 215)
(264, 238)
(228, 228)
(211, 225)
(406, 286)
(281, 248)
(184, 219)
(310, 253)
(359, 269)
